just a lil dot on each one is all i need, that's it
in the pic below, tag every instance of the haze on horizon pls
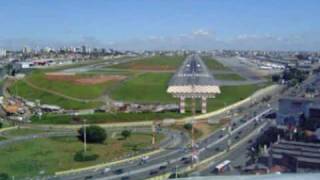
(162, 24)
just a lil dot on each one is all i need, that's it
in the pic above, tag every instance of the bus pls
(222, 166)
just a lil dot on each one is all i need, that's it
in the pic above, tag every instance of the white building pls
(26, 50)
(3, 52)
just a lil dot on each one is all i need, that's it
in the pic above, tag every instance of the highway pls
(170, 158)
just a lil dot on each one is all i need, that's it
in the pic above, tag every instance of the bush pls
(94, 134)
(82, 156)
(4, 176)
(188, 126)
(1, 125)
(125, 134)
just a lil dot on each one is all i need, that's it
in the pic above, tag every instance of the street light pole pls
(84, 136)
(176, 172)
(193, 117)
(153, 133)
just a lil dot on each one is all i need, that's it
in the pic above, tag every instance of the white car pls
(106, 170)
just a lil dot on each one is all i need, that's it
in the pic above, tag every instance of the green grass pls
(147, 87)
(161, 62)
(231, 94)
(28, 158)
(2, 138)
(229, 76)
(228, 96)
(23, 132)
(151, 87)
(105, 117)
(22, 89)
(68, 88)
(213, 64)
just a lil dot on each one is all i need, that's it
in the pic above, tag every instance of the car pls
(183, 158)
(217, 149)
(118, 171)
(125, 178)
(106, 170)
(188, 161)
(145, 158)
(239, 132)
(153, 172)
(220, 136)
(250, 141)
(162, 167)
(237, 137)
(88, 177)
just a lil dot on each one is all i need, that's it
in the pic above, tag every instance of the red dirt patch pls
(89, 80)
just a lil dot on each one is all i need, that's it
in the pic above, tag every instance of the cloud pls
(201, 32)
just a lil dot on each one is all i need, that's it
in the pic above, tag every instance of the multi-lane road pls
(171, 159)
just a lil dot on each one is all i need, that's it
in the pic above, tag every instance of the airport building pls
(193, 80)
(295, 155)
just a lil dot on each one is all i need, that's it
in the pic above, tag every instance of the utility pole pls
(176, 171)
(229, 136)
(84, 136)
(193, 68)
(153, 133)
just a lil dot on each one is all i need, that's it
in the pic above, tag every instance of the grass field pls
(229, 76)
(151, 87)
(2, 138)
(83, 91)
(105, 117)
(153, 63)
(147, 87)
(23, 132)
(24, 90)
(231, 94)
(213, 64)
(49, 155)
(201, 129)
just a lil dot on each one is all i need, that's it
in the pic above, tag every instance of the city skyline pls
(162, 25)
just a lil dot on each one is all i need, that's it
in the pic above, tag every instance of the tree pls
(275, 77)
(125, 134)
(1, 125)
(188, 126)
(310, 89)
(94, 134)
(4, 176)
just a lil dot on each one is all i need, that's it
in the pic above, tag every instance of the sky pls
(162, 24)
